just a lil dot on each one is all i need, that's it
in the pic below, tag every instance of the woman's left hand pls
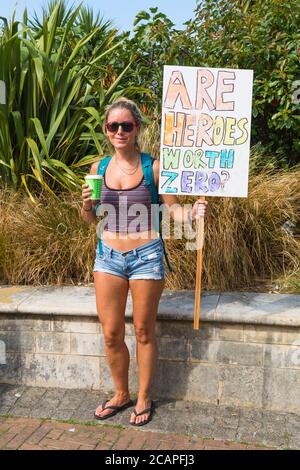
(200, 209)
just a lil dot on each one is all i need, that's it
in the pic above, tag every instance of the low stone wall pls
(246, 352)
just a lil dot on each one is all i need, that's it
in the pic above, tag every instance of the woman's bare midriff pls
(123, 241)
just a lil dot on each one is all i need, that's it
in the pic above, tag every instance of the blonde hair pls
(125, 103)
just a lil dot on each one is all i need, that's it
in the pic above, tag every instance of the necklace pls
(128, 171)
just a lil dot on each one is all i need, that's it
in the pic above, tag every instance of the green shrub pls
(57, 82)
(263, 36)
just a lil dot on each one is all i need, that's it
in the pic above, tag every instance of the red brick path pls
(37, 434)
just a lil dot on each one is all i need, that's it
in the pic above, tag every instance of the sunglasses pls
(127, 126)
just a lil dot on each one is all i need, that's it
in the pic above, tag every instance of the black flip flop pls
(116, 409)
(149, 410)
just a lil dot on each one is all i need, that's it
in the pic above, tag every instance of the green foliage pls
(57, 84)
(155, 43)
(265, 37)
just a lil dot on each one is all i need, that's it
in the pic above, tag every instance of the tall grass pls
(44, 243)
(250, 243)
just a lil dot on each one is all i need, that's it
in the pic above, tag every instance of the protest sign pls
(205, 131)
(205, 138)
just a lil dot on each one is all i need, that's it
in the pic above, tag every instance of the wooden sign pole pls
(200, 239)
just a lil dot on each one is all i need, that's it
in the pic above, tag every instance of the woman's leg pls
(111, 297)
(145, 298)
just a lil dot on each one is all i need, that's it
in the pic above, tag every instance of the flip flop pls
(116, 409)
(149, 410)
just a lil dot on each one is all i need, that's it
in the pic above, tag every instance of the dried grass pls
(249, 242)
(45, 243)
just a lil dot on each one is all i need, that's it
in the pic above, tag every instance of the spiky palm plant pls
(51, 122)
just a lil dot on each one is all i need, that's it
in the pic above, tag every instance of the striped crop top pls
(126, 210)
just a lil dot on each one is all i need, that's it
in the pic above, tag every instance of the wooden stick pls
(200, 239)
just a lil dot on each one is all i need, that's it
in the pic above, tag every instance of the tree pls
(263, 36)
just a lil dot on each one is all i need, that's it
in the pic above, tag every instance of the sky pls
(121, 12)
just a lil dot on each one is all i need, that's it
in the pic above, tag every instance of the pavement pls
(36, 434)
(35, 418)
(63, 418)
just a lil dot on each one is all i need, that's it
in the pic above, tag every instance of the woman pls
(130, 259)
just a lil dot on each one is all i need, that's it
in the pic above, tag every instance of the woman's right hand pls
(86, 197)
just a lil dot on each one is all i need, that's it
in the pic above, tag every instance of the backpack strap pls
(101, 170)
(103, 165)
(147, 167)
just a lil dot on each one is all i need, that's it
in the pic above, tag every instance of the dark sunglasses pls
(127, 126)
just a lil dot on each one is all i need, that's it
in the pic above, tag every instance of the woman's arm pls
(87, 211)
(178, 212)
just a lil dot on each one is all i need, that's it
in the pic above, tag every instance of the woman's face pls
(120, 139)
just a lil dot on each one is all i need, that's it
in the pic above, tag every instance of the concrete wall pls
(252, 363)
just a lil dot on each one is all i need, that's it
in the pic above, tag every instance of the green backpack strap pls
(147, 167)
(101, 170)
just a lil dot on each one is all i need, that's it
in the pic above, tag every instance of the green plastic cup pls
(95, 183)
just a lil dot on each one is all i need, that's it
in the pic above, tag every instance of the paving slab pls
(11, 297)
(233, 307)
(65, 300)
(179, 305)
(257, 308)
(175, 422)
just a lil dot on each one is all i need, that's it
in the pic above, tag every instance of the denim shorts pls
(143, 262)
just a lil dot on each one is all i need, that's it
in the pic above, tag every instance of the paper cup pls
(95, 183)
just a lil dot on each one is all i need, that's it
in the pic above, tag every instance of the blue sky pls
(122, 12)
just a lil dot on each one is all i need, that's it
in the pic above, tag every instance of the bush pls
(263, 36)
(245, 34)
(58, 80)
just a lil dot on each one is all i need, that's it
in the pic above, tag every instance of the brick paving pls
(41, 418)
(37, 434)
